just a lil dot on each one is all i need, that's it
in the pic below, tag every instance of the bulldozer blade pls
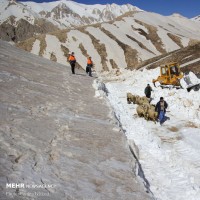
(194, 87)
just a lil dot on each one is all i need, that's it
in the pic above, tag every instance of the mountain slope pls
(54, 132)
(22, 20)
(197, 18)
(17, 22)
(121, 43)
(188, 57)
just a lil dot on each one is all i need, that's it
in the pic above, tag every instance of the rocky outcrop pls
(23, 30)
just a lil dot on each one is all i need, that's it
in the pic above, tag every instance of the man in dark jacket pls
(161, 107)
(147, 91)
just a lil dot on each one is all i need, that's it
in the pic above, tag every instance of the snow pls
(189, 80)
(112, 48)
(121, 34)
(191, 25)
(173, 24)
(185, 41)
(81, 9)
(86, 41)
(190, 62)
(55, 49)
(169, 154)
(168, 43)
(196, 19)
(131, 22)
(31, 10)
(17, 10)
(73, 46)
(36, 47)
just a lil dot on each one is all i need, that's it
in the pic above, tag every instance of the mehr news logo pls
(22, 185)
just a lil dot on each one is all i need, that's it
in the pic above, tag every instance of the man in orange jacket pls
(89, 66)
(72, 61)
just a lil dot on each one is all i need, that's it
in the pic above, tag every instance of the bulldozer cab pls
(170, 70)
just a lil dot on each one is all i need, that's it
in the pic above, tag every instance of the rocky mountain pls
(17, 22)
(121, 43)
(22, 20)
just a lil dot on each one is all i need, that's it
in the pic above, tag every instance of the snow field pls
(169, 154)
(36, 47)
(55, 49)
(112, 48)
(19, 11)
(126, 30)
(173, 24)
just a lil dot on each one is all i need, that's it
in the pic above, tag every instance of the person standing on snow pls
(89, 66)
(72, 61)
(161, 107)
(147, 91)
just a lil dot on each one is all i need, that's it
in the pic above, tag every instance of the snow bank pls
(169, 154)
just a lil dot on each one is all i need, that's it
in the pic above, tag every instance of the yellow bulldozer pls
(172, 76)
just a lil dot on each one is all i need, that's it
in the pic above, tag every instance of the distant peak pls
(177, 15)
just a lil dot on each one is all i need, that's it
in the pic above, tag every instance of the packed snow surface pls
(169, 154)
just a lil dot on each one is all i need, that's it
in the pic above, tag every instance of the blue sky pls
(187, 8)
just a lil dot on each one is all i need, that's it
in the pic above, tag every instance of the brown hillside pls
(188, 57)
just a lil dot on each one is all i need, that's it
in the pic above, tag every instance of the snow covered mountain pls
(69, 13)
(10, 8)
(17, 22)
(45, 17)
(197, 18)
(121, 43)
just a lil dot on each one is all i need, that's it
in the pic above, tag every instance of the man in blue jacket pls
(161, 107)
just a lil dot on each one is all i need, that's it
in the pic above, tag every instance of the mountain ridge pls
(55, 15)
(124, 42)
